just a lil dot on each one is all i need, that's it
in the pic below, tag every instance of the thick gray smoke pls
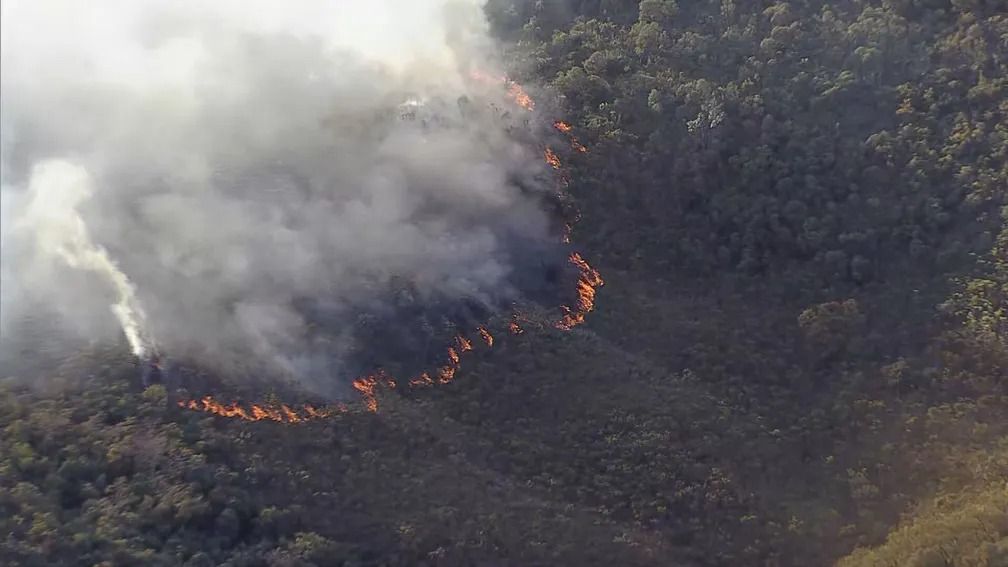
(197, 173)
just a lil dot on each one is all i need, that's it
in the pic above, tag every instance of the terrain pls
(800, 355)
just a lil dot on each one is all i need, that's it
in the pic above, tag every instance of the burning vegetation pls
(256, 412)
(515, 91)
(369, 386)
(486, 336)
(519, 96)
(566, 129)
(589, 280)
(551, 158)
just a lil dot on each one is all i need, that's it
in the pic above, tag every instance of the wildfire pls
(519, 96)
(446, 374)
(589, 280)
(367, 385)
(314, 413)
(421, 380)
(487, 337)
(255, 412)
(514, 90)
(566, 129)
(551, 158)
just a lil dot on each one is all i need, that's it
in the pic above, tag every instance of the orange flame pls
(366, 386)
(487, 337)
(566, 129)
(280, 413)
(551, 158)
(514, 91)
(589, 280)
(421, 380)
(446, 374)
(519, 96)
(314, 413)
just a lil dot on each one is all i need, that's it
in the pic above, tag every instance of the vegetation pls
(800, 356)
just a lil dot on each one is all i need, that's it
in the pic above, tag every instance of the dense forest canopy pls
(800, 356)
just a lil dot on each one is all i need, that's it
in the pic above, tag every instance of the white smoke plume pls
(221, 163)
(55, 190)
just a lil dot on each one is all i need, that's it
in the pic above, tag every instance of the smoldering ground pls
(271, 188)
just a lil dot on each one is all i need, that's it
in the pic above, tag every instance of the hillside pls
(799, 357)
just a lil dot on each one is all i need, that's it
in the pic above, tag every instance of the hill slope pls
(800, 355)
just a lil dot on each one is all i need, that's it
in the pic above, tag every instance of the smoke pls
(247, 184)
(55, 189)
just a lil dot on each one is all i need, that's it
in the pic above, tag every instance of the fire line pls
(589, 280)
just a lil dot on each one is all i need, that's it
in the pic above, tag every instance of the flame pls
(519, 96)
(366, 386)
(314, 413)
(566, 129)
(446, 374)
(514, 90)
(589, 280)
(421, 380)
(255, 412)
(487, 337)
(551, 158)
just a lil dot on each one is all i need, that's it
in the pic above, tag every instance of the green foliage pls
(822, 187)
(856, 141)
(969, 529)
(799, 355)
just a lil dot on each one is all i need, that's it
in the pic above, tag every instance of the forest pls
(799, 356)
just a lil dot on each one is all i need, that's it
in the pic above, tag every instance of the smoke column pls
(276, 180)
(56, 188)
